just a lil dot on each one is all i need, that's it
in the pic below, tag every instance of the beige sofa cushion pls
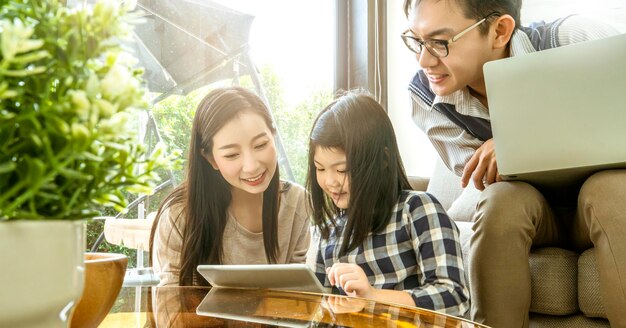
(442, 185)
(571, 321)
(464, 207)
(460, 203)
(589, 298)
(553, 275)
(465, 232)
(554, 279)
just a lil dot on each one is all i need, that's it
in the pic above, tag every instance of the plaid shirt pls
(418, 252)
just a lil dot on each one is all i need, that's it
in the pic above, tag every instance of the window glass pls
(281, 49)
(612, 12)
(291, 44)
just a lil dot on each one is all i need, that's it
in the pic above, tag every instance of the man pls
(452, 40)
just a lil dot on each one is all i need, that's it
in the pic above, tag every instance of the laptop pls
(295, 277)
(559, 115)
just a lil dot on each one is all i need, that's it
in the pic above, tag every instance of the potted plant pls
(67, 147)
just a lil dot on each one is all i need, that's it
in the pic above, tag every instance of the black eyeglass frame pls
(430, 44)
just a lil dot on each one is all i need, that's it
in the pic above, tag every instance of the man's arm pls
(453, 144)
(580, 28)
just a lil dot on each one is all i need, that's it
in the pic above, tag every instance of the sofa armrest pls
(419, 183)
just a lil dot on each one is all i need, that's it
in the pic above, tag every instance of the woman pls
(232, 208)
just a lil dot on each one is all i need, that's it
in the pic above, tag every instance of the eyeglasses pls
(438, 48)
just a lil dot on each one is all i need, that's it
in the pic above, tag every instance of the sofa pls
(565, 288)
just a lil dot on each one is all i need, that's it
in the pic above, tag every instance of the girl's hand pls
(352, 279)
(342, 304)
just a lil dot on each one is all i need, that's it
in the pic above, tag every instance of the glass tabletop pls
(224, 307)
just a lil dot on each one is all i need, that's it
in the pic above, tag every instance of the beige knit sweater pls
(240, 246)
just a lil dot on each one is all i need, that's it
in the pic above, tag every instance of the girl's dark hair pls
(205, 195)
(356, 124)
(479, 9)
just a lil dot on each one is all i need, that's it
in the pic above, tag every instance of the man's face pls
(441, 20)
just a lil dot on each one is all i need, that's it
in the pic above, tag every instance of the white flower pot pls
(41, 272)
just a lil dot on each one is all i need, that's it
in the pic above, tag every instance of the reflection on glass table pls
(226, 307)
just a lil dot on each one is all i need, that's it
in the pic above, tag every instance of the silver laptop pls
(295, 277)
(559, 115)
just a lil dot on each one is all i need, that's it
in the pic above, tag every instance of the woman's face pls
(244, 153)
(330, 169)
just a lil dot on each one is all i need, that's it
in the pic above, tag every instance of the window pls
(292, 46)
(610, 11)
(190, 47)
(417, 152)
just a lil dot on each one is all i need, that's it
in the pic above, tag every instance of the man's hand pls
(482, 167)
(351, 278)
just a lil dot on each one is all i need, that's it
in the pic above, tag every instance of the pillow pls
(444, 185)
(464, 207)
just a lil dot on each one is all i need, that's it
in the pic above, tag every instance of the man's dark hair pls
(479, 9)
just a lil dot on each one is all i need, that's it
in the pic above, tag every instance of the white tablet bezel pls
(295, 277)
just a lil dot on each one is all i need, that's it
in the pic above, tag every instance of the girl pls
(379, 239)
(232, 208)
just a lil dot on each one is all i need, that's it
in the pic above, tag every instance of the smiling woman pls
(232, 207)
(244, 153)
(281, 49)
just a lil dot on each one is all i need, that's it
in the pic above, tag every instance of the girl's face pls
(244, 153)
(330, 167)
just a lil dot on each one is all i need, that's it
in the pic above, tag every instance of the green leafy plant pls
(68, 94)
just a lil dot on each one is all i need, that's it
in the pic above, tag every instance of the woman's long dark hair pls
(205, 195)
(358, 125)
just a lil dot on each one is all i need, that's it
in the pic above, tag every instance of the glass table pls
(222, 307)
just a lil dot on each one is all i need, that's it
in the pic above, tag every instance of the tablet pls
(296, 277)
